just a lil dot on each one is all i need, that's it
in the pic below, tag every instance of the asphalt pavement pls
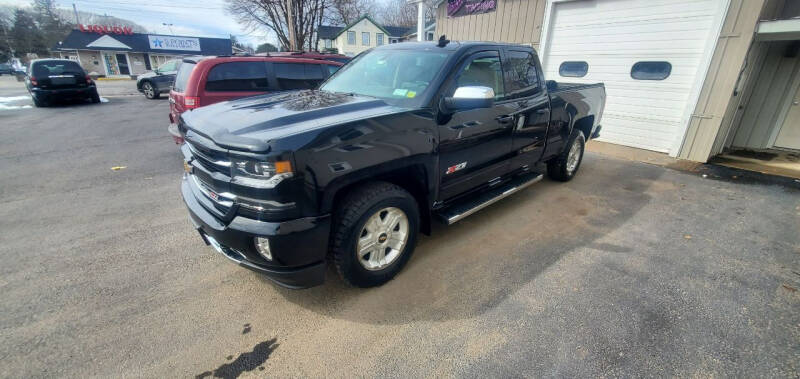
(628, 270)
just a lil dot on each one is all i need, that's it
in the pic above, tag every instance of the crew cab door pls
(475, 144)
(531, 103)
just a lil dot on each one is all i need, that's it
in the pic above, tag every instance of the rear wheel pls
(150, 91)
(565, 165)
(38, 102)
(375, 233)
(95, 97)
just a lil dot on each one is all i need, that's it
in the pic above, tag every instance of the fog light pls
(262, 246)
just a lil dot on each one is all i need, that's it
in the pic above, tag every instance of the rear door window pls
(238, 76)
(298, 75)
(521, 75)
(183, 76)
(44, 69)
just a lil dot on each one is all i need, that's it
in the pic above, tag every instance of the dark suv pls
(51, 80)
(6, 68)
(153, 84)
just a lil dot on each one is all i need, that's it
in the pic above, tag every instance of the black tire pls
(150, 91)
(349, 221)
(95, 97)
(38, 103)
(559, 167)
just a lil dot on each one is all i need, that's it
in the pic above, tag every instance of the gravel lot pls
(628, 270)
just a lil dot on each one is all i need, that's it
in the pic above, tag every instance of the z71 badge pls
(455, 168)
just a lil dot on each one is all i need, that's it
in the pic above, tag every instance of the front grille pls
(211, 160)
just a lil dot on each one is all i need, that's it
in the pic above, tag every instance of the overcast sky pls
(206, 18)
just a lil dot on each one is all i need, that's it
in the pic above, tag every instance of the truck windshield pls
(399, 76)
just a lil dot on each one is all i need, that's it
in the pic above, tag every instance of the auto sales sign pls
(174, 43)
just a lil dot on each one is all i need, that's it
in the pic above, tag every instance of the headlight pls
(260, 174)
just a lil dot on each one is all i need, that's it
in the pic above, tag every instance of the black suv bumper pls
(64, 93)
(298, 246)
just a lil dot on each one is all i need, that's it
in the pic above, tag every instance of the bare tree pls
(403, 13)
(273, 15)
(344, 12)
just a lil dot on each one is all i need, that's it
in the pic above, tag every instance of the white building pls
(688, 78)
(362, 34)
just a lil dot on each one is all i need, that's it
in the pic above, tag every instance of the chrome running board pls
(459, 211)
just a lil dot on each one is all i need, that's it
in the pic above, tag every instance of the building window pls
(379, 39)
(651, 70)
(351, 38)
(573, 69)
(365, 38)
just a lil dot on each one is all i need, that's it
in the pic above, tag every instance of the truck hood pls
(249, 124)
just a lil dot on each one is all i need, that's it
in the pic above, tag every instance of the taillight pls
(34, 82)
(191, 102)
(88, 79)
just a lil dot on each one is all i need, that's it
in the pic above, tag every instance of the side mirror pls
(470, 97)
(552, 85)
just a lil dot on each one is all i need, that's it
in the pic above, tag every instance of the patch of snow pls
(4, 107)
(13, 98)
(103, 100)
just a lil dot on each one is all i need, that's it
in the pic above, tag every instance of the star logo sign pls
(157, 43)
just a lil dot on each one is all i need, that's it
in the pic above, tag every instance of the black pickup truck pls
(402, 135)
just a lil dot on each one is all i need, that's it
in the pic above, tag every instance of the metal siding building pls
(693, 112)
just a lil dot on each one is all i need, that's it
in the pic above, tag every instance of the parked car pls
(207, 80)
(51, 80)
(153, 84)
(403, 134)
(310, 55)
(6, 69)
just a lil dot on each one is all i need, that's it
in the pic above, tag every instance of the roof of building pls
(137, 42)
(399, 31)
(328, 32)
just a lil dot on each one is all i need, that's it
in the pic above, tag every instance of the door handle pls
(542, 111)
(504, 119)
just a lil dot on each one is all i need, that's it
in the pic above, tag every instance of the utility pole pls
(75, 9)
(420, 18)
(290, 25)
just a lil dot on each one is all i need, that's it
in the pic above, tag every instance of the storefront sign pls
(457, 8)
(105, 29)
(174, 43)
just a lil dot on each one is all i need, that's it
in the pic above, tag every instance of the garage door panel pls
(611, 36)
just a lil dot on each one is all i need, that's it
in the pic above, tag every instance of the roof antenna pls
(443, 41)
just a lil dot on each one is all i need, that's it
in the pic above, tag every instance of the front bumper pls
(298, 246)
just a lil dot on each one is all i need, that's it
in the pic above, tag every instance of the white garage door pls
(611, 36)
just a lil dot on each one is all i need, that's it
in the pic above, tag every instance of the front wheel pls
(374, 234)
(150, 91)
(565, 165)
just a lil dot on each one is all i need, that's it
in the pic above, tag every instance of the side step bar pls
(459, 211)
